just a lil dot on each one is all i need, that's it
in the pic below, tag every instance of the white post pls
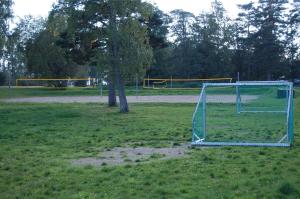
(136, 85)
(148, 82)
(100, 85)
(9, 83)
(204, 112)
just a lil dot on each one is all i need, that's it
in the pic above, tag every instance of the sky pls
(42, 7)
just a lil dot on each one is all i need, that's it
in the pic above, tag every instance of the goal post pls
(171, 83)
(244, 114)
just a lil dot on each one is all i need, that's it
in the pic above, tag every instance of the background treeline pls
(261, 44)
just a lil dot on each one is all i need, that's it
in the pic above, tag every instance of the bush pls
(57, 84)
(2, 78)
(287, 189)
(80, 83)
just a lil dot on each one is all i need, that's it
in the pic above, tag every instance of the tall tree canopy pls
(118, 40)
(114, 33)
(44, 57)
(17, 41)
(5, 15)
(265, 25)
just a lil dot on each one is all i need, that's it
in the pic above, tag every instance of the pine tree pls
(261, 33)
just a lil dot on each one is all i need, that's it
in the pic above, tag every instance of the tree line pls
(118, 40)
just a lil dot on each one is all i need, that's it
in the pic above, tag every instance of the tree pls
(5, 15)
(183, 49)
(24, 32)
(265, 30)
(45, 58)
(244, 29)
(212, 35)
(291, 43)
(128, 44)
(117, 32)
(158, 29)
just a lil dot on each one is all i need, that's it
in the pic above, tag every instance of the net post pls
(290, 113)
(148, 82)
(238, 99)
(9, 84)
(287, 90)
(193, 130)
(136, 85)
(100, 85)
(204, 111)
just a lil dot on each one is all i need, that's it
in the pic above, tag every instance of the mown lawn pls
(45, 92)
(38, 141)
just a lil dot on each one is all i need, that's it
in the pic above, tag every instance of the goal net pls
(244, 114)
(70, 82)
(181, 83)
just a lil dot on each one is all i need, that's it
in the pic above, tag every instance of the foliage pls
(262, 36)
(117, 35)
(2, 78)
(25, 31)
(261, 44)
(134, 38)
(5, 15)
(158, 30)
(47, 59)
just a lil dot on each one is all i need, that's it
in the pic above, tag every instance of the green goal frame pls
(199, 121)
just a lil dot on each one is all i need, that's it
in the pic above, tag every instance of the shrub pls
(287, 189)
(2, 78)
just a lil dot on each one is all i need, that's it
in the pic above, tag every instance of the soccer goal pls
(181, 83)
(244, 114)
(55, 82)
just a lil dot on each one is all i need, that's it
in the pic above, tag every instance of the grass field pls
(46, 92)
(38, 141)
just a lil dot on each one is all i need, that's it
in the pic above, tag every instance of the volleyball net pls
(55, 82)
(151, 83)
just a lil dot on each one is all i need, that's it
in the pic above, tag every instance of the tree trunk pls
(112, 100)
(122, 96)
(118, 77)
(116, 61)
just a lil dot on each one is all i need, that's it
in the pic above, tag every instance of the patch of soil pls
(129, 155)
(134, 99)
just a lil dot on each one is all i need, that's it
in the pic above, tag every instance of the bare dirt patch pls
(129, 155)
(135, 99)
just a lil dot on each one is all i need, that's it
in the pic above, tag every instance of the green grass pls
(45, 92)
(223, 124)
(38, 141)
